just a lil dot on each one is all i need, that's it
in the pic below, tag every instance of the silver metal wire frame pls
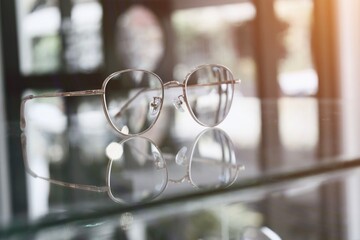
(101, 92)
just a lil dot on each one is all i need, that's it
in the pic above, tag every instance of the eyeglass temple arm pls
(169, 85)
(50, 95)
(60, 183)
(216, 83)
(233, 81)
(128, 102)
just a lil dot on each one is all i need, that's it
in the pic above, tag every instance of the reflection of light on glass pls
(37, 191)
(264, 233)
(114, 151)
(298, 123)
(244, 122)
(180, 157)
(126, 219)
(125, 129)
(270, 233)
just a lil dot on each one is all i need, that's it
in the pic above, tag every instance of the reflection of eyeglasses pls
(205, 168)
(137, 170)
(132, 99)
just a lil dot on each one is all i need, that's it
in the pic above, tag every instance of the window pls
(297, 75)
(59, 36)
(216, 34)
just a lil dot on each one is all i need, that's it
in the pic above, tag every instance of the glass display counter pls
(273, 169)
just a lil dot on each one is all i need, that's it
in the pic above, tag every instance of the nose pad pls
(154, 106)
(177, 102)
(158, 161)
(180, 158)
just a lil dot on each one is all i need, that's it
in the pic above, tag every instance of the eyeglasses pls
(133, 98)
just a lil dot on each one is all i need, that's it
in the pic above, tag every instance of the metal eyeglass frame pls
(101, 92)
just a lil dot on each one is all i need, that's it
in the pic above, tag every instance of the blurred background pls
(279, 48)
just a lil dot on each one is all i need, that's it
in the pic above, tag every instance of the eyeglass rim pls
(185, 87)
(105, 108)
(108, 174)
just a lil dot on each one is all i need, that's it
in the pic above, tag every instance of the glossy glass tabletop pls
(82, 174)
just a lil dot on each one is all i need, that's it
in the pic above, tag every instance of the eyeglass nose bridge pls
(177, 102)
(173, 84)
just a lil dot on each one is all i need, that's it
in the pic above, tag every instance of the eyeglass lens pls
(133, 100)
(209, 92)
